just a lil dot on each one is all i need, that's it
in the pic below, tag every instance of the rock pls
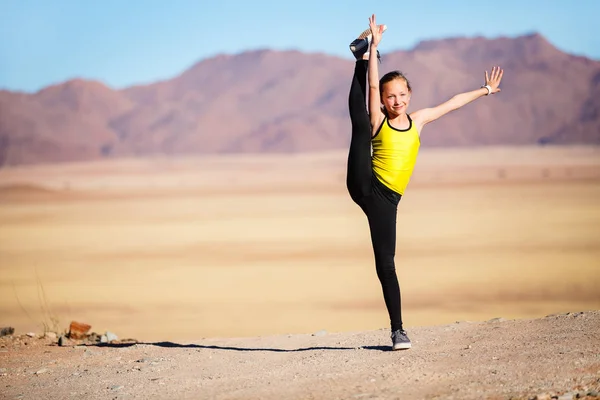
(50, 335)
(499, 319)
(322, 332)
(78, 330)
(7, 331)
(593, 393)
(543, 396)
(566, 396)
(41, 371)
(94, 337)
(103, 339)
(63, 341)
(116, 387)
(111, 337)
(31, 334)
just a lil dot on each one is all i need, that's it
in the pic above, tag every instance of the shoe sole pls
(366, 34)
(401, 346)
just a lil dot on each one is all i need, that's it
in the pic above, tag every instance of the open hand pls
(493, 81)
(376, 31)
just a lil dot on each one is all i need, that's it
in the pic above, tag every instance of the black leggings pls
(377, 201)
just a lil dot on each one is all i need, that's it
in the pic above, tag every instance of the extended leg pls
(358, 179)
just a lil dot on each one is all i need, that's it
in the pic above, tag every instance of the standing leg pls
(382, 215)
(358, 178)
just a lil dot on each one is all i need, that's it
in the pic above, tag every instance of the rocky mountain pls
(288, 101)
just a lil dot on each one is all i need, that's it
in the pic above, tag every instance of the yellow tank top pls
(395, 154)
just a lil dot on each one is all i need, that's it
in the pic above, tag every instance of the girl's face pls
(395, 97)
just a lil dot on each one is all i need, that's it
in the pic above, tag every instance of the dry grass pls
(251, 245)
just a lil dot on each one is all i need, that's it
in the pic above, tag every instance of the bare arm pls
(375, 113)
(427, 115)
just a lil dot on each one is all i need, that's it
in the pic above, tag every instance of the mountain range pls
(290, 101)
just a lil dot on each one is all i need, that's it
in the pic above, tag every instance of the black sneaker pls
(400, 340)
(360, 45)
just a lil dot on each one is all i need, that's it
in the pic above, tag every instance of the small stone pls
(499, 319)
(31, 334)
(111, 337)
(62, 341)
(78, 330)
(116, 387)
(566, 396)
(50, 335)
(7, 331)
(543, 396)
(103, 339)
(593, 393)
(468, 347)
(93, 337)
(322, 332)
(41, 371)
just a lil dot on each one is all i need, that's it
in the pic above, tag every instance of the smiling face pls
(395, 93)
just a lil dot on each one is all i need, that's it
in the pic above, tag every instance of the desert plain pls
(192, 249)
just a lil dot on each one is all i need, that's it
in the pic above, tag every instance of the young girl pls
(376, 181)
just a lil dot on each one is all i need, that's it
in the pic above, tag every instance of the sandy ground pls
(181, 249)
(270, 249)
(518, 359)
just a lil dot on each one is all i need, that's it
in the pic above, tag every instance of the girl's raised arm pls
(427, 115)
(375, 113)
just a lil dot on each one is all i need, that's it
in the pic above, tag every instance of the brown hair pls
(390, 76)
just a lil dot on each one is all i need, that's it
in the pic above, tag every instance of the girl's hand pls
(493, 81)
(376, 31)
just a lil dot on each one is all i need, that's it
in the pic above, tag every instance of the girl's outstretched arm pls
(427, 115)
(375, 113)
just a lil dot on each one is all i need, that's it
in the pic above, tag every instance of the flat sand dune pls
(187, 248)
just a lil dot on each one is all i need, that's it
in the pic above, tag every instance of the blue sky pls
(122, 43)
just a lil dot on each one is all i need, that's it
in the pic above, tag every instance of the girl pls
(376, 181)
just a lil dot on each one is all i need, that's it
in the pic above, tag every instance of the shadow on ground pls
(231, 348)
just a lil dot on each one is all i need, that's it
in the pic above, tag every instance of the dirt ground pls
(222, 268)
(553, 357)
(186, 248)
